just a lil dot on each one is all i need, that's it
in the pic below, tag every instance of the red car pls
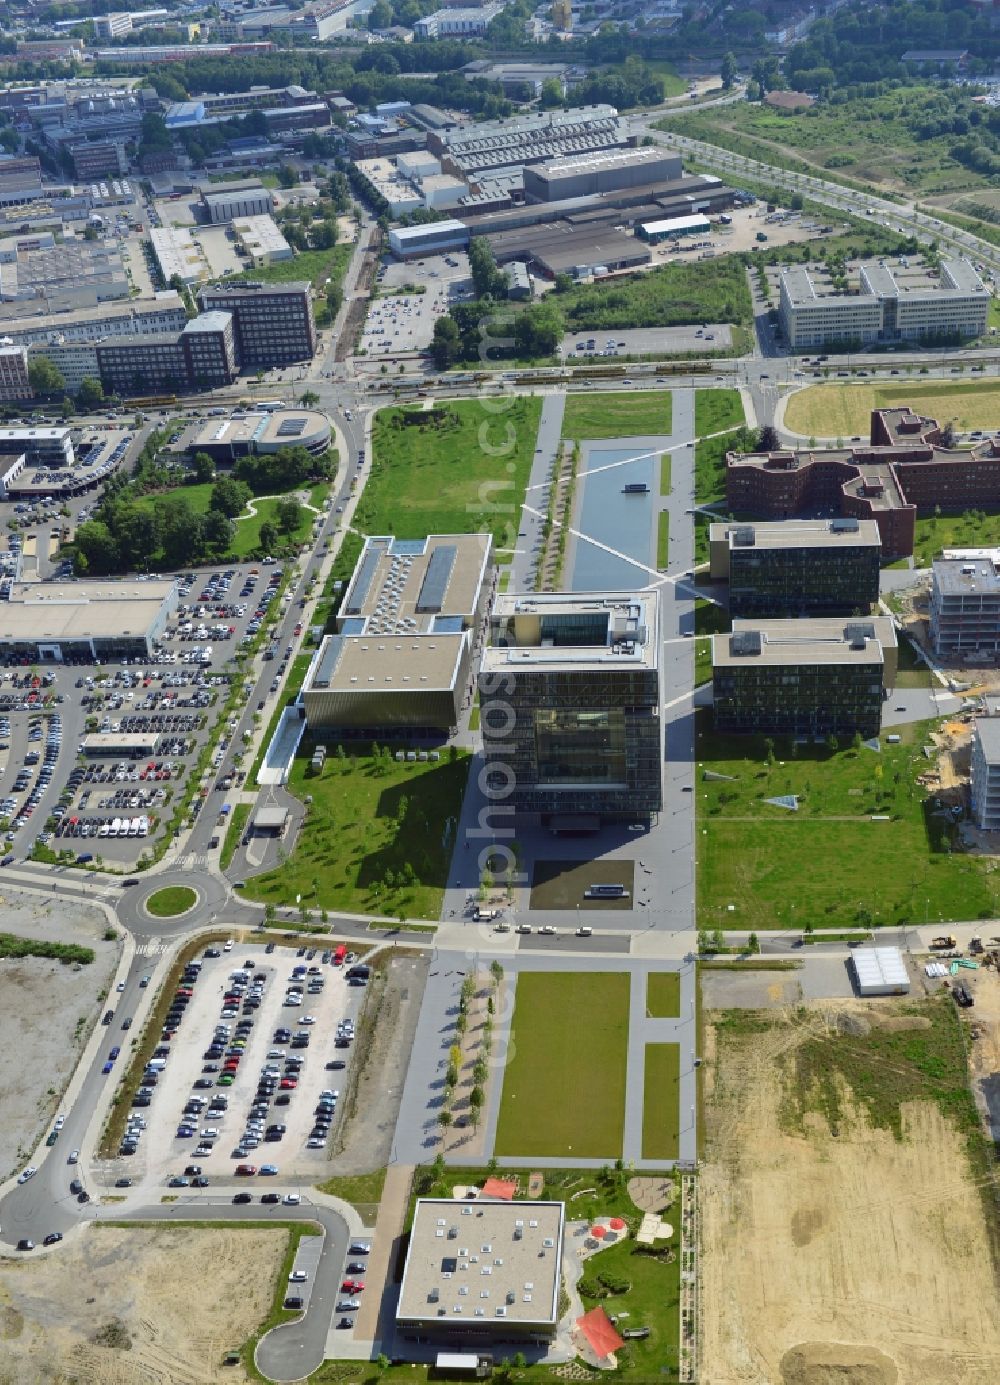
(352, 1286)
(245, 1170)
(288, 1084)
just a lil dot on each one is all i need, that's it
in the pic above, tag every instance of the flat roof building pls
(535, 138)
(400, 661)
(201, 356)
(49, 622)
(256, 433)
(409, 242)
(891, 304)
(811, 677)
(261, 240)
(237, 200)
(569, 691)
(273, 323)
(797, 566)
(880, 971)
(673, 228)
(164, 312)
(176, 253)
(599, 171)
(965, 605)
(985, 779)
(482, 1272)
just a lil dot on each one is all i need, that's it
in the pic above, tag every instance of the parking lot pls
(249, 1070)
(401, 320)
(139, 727)
(647, 341)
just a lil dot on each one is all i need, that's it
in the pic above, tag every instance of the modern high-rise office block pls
(965, 603)
(273, 322)
(803, 677)
(569, 692)
(985, 787)
(797, 566)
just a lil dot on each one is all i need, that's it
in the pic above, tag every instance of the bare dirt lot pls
(173, 1300)
(836, 1254)
(47, 1012)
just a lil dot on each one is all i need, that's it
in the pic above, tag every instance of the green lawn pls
(652, 1300)
(315, 265)
(844, 411)
(670, 295)
(913, 672)
(564, 1088)
(171, 901)
(621, 414)
(362, 1190)
(972, 529)
(238, 820)
(373, 840)
(709, 619)
(666, 476)
(716, 410)
(246, 532)
(663, 539)
(458, 468)
(829, 864)
(661, 1101)
(663, 995)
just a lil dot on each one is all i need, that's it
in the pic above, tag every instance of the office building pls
(201, 356)
(177, 255)
(985, 780)
(965, 605)
(458, 22)
(282, 119)
(891, 304)
(33, 466)
(164, 312)
(260, 240)
(400, 663)
(47, 623)
(903, 471)
(482, 1272)
(63, 274)
(816, 677)
(797, 566)
(274, 323)
(569, 691)
(254, 433)
(112, 25)
(237, 200)
(141, 57)
(38, 447)
(14, 383)
(603, 171)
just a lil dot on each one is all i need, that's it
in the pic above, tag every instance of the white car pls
(29, 1172)
(307, 1019)
(297, 1277)
(60, 1122)
(291, 1199)
(228, 945)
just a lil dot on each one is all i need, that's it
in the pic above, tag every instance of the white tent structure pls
(880, 971)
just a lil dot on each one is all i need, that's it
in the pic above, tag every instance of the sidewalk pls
(375, 1319)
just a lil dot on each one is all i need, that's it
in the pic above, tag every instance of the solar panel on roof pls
(436, 578)
(291, 427)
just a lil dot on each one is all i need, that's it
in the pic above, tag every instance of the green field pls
(171, 901)
(666, 474)
(709, 619)
(551, 1057)
(793, 869)
(624, 414)
(663, 539)
(661, 1101)
(844, 411)
(373, 836)
(462, 467)
(717, 410)
(246, 531)
(973, 529)
(315, 265)
(870, 139)
(663, 995)
(670, 295)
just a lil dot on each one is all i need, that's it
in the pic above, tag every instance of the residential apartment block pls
(890, 305)
(965, 604)
(274, 323)
(816, 677)
(903, 471)
(569, 692)
(797, 566)
(985, 781)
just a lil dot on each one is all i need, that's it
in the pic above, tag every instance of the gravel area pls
(47, 1012)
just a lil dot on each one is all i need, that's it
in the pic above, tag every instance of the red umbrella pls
(617, 1224)
(598, 1232)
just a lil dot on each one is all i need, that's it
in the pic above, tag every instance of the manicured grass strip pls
(564, 1087)
(237, 822)
(663, 539)
(715, 410)
(661, 1101)
(666, 479)
(374, 840)
(12, 946)
(362, 1190)
(453, 469)
(973, 529)
(621, 414)
(832, 411)
(663, 995)
(171, 901)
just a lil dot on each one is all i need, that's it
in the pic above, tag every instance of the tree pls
(44, 377)
(551, 94)
(496, 972)
(96, 549)
(334, 299)
(728, 71)
(380, 15)
(308, 398)
(446, 343)
(753, 943)
(218, 531)
(444, 1120)
(203, 467)
(269, 537)
(90, 395)
(288, 514)
(229, 496)
(767, 439)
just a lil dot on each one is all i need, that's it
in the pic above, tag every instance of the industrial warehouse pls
(95, 620)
